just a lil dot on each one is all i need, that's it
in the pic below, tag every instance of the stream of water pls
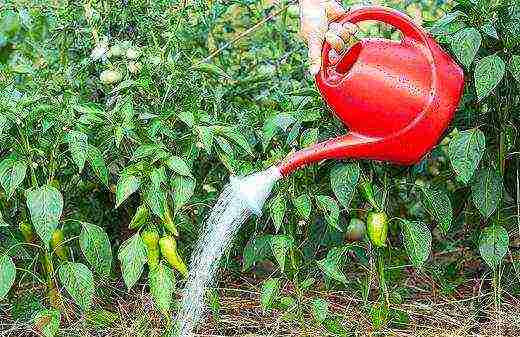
(241, 198)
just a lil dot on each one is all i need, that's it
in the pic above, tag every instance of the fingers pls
(341, 36)
(333, 9)
(315, 45)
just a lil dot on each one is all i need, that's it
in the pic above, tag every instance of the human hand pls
(317, 25)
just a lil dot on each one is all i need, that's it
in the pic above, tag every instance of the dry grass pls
(240, 315)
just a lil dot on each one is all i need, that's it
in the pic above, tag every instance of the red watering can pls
(396, 97)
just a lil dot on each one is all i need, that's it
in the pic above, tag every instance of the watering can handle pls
(411, 32)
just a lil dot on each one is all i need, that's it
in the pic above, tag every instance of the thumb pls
(334, 10)
(315, 45)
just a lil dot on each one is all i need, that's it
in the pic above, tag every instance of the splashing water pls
(241, 198)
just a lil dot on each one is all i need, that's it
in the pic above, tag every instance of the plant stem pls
(381, 273)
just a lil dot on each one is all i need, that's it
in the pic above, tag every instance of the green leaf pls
(97, 162)
(206, 137)
(162, 286)
(490, 30)
(280, 245)
(330, 209)
(45, 205)
(12, 174)
(489, 71)
(47, 322)
(417, 241)
(493, 245)
(145, 151)
(303, 205)
(344, 179)
(7, 275)
(132, 255)
(186, 116)
(486, 191)
(309, 137)
(95, 245)
(438, 203)
(155, 198)
(277, 209)
(234, 134)
(270, 291)
(465, 151)
(183, 188)
(77, 279)
(78, 147)
(2, 221)
(179, 166)
(465, 45)
(330, 266)
(257, 249)
(320, 309)
(514, 67)
(126, 186)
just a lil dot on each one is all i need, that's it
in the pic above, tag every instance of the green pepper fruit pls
(356, 230)
(27, 231)
(58, 246)
(140, 217)
(168, 221)
(169, 251)
(377, 228)
(151, 240)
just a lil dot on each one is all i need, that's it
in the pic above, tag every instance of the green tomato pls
(356, 230)
(377, 228)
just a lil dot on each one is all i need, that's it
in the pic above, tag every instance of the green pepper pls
(151, 240)
(169, 251)
(356, 230)
(377, 228)
(58, 246)
(27, 231)
(168, 221)
(140, 217)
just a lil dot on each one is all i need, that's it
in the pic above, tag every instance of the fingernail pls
(315, 69)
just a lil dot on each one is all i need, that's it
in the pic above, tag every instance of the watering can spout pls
(343, 147)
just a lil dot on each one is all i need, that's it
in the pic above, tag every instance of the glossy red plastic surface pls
(396, 97)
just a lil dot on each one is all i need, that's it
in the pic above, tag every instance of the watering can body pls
(396, 97)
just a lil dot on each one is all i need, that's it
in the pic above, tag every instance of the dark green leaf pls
(45, 205)
(320, 309)
(417, 241)
(303, 205)
(489, 71)
(330, 209)
(47, 322)
(79, 282)
(132, 255)
(183, 188)
(12, 174)
(514, 67)
(277, 210)
(486, 191)
(344, 179)
(465, 45)
(270, 291)
(280, 245)
(97, 162)
(438, 203)
(126, 186)
(162, 286)
(493, 245)
(95, 245)
(465, 151)
(7, 275)
(78, 146)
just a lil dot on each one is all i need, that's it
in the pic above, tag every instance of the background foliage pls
(123, 117)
